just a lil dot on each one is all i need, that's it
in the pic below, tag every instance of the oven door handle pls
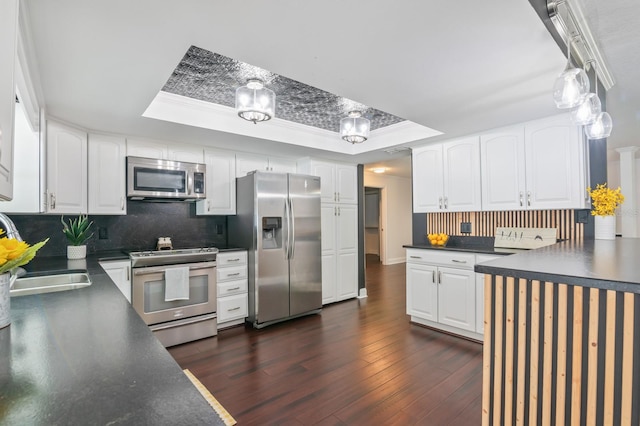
(182, 322)
(158, 269)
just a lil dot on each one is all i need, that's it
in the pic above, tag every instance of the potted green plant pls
(77, 233)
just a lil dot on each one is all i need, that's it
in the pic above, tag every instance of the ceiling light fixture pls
(379, 169)
(572, 85)
(355, 128)
(587, 111)
(254, 102)
(601, 125)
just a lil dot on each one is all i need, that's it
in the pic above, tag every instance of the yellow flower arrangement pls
(605, 200)
(14, 253)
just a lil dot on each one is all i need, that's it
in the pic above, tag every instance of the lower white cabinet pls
(480, 258)
(120, 273)
(441, 290)
(232, 288)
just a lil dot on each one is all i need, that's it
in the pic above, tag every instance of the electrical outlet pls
(103, 234)
(219, 229)
(465, 227)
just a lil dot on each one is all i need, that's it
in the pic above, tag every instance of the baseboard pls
(363, 293)
(395, 260)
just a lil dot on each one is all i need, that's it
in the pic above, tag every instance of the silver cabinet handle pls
(208, 205)
(237, 259)
(458, 261)
(338, 197)
(440, 203)
(528, 198)
(446, 203)
(335, 196)
(122, 203)
(235, 274)
(338, 211)
(233, 289)
(415, 257)
(439, 277)
(233, 309)
(128, 277)
(335, 211)
(433, 276)
(521, 199)
(52, 202)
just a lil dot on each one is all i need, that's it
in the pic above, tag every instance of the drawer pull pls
(415, 257)
(233, 309)
(237, 259)
(233, 289)
(458, 261)
(235, 274)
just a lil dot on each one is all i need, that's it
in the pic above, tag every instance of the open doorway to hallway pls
(372, 229)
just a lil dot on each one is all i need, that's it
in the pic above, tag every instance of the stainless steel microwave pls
(165, 180)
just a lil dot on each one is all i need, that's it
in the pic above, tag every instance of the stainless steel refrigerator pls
(278, 220)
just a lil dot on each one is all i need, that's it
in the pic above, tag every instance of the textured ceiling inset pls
(212, 77)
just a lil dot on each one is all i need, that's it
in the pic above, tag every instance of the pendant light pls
(588, 110)
(602, 124)
(571, 86)
(254, 102)
(355, 128)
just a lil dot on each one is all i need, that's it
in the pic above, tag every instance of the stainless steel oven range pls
(174, 291)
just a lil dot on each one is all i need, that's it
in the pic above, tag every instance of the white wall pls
(396, 217)
(613, 181)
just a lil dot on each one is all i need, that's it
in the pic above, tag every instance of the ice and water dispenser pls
(271, 232)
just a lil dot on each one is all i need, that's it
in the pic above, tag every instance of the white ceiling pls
(459, 68)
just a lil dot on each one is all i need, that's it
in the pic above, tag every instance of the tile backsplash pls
(139, 229)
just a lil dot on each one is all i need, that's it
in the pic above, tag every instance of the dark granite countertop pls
(85, 357)
(605, 264)
(470, 248)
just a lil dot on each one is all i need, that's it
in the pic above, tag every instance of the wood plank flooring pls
(360, 362)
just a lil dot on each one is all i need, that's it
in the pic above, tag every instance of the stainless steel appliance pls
(191, 317)
(278, 221)
(157, 180)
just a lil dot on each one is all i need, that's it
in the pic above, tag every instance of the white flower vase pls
(5, 305)
(605, 228)
(76, 252)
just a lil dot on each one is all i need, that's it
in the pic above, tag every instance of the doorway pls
(372, 224)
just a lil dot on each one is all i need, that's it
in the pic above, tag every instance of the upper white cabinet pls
(220, 185)
(66, 190)
(8, 43)
(538, 165)
(338, 182)
(107, 174)
(146, 149)
(246, 163)
(502, 156)
(186, 153)
(446, 177)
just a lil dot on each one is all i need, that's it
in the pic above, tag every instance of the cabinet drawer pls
(229, 288)
(232, 307)
(231, 258)
(454, 259)
(231, 273)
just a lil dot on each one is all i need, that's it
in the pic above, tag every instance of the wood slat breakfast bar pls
(562, 335)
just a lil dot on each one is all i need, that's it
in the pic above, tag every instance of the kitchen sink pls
(49, 284)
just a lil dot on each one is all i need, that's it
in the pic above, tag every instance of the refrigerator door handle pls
(292, 229)
(287, 241)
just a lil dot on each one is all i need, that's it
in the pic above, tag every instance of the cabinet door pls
(347, 184)
(187, 153)
(66, 169)
(503, 170)
(422, 291)
(120, 274)
(146, 149)
(221, 184)
(8, 43)
(427, 179)
(232, 307)
(457, 298)
(462, 183)
(282, 165)
(328, 222)
(248, 163)
(555, 164)
(327, 173)
(347, 228)
(347, 275)
(107, 174)
(329, 284)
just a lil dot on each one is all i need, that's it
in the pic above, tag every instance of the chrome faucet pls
(9, 227)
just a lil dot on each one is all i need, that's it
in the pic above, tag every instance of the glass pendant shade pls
(587, 111)
(600, 128)
(570, 88)
(355, 128)
(254, 102)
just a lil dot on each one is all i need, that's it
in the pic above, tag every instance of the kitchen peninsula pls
(84, 356)
(561, 340)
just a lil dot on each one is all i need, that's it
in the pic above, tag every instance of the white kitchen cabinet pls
(556, 171)
(220, 184)
(446, 177)
(246, 163)
(481, 258)
(120, 273)
(66, 191)
(441, 290)
(339, 182)
(502, 155)
(232, 288)
(107, 175)
(8, 45)
(339, 252)
(187, 153)
(146, 149)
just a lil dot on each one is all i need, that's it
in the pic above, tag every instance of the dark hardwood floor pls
(360, 362)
